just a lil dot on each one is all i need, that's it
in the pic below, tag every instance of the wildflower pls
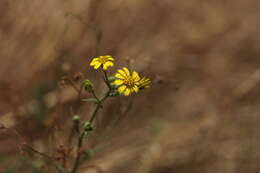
(127, 83)
(144, 83)
(103, 61)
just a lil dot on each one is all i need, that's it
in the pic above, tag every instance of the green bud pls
(87, 126)
(113, 86)
(111, 78)
(88, 85)
(75, 118)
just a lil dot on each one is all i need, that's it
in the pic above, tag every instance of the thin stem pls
(81, 137)
(106, 79)
(100, 101)
(77, 161)
(75, 87)
(98, 106)
(94, 94)
(84, 133)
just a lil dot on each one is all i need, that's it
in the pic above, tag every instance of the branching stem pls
(84, 133)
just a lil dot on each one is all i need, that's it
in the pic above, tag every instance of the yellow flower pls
(103, 61)
(127, 83)
(144, 83)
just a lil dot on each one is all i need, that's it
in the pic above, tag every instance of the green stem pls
(92, 118)
(94, 94)
(98, 106)
(77, 161)
(106, 79)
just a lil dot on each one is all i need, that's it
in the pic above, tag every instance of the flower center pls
(129, 82)
(103, 59)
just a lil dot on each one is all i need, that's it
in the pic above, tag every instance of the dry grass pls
(202, 112)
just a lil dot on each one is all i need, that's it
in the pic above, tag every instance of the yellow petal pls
(118, 82)
(147, 81)
(122, 73)
(111, 59)
(121, 89)
(136, 76)
(126, 71)
(94, 59)
(118, 75)
(97, 65)
(144, 83)
(127, 92)
(93, 63)
(136, 89)
(107, 64)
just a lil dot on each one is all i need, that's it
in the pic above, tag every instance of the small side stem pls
(106, 79)
(47, 157)
(95, 96)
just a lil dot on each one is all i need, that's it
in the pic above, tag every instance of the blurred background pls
(201, 113)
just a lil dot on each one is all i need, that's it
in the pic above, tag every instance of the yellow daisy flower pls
(127, 83)
(103, 61)
(144, 83)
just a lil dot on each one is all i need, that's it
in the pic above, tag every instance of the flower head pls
(144, 83)
(127, 83)
(103, 61)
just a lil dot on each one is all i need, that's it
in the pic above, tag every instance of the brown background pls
(201, 113)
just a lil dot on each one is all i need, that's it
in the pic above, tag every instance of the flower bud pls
(87, 126)
(88, 85)
(111, 78)
(75, 118)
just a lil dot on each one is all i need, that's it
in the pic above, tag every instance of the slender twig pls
(96, 31)
(38, 152)
(89, 152)
(75, 86)
(47, 157)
